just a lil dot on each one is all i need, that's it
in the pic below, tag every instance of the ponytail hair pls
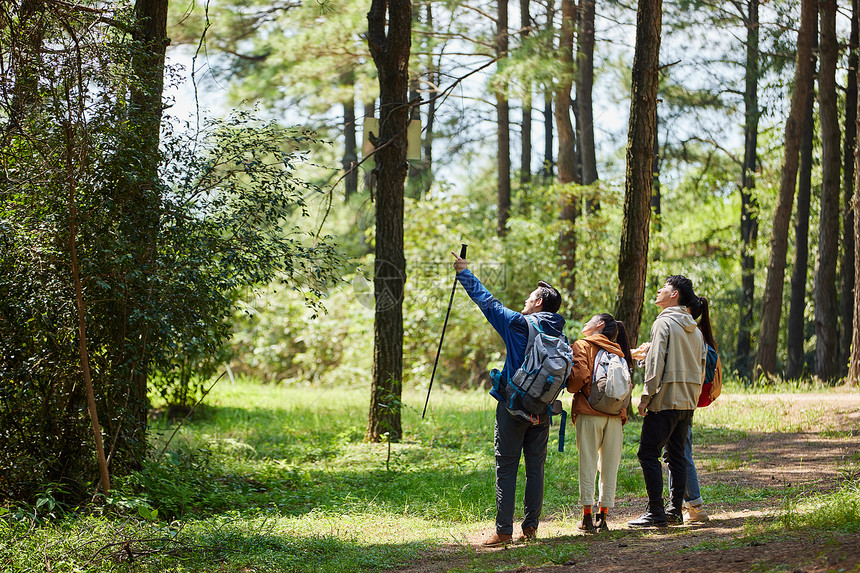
(704, 323)
(615, 331)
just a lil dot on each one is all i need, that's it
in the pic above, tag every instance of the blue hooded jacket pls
(510, 324)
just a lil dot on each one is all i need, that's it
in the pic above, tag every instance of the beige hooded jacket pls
(675, 363)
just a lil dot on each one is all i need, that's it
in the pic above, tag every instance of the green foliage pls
(162, 261)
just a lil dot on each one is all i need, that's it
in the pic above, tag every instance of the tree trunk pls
(567, 151)
(772, 299)
(796, 323)
(824, 291)
(433, 76)
(391, 55)
(350, 155)
(526, 149)
(415, 185)
(503, 151)
(633, 255)
(854, 369)
(547, 170)
(130, 363)
(584, 86)
(847, 275)
(749, 202)
(369, 174)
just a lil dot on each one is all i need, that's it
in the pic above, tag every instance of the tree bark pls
(584, 87)
(141, 197)
(526, 149)
(391, 55)
(350, 154)
(749, 201)
(824, 291)
(772, 299)
(854, 369)
(795, 364)
(503, 150)
(633, 255)
(846, 298)
(569, 202)
(548, 170)
(433, 75)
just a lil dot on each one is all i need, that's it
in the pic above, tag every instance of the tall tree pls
(350, 150)
(584, 88)
(854, 369)
(139, 194)
(548, 162)
(503, 127)
(526, 148)
(749, 202)
(772, 300)
(567, 149)
(389, 39)
(635, 231)
(846, 298)
(824, 290)
(797, 307)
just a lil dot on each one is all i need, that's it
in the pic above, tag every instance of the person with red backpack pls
(694, 505)
(674, 372)
(599, 435)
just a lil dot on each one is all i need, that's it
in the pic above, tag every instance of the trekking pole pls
(441, 338)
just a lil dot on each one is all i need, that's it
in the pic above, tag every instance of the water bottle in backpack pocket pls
(610, 384)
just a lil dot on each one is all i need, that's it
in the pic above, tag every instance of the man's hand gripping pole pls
(441, 338)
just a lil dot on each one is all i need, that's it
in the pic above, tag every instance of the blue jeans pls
(692, 495)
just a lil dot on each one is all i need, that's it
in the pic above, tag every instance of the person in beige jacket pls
(599, 436)
(674, 371)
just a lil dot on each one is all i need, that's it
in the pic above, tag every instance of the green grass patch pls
(273, 478)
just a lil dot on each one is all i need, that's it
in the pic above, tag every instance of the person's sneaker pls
(497, 540)
(587, 523)
(674, 518)
(696, 514)
(529, 534)
(600, 522)
(647, 520)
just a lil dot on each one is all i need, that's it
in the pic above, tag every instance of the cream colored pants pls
(598, 441)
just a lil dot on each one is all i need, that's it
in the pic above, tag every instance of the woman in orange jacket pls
(599, 436)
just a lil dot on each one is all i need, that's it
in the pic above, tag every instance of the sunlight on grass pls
(278, 478)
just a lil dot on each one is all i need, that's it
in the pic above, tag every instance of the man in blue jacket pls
(514, 436)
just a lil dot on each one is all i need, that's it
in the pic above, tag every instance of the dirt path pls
(812, 460)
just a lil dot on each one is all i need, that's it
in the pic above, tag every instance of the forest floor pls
(740, 536)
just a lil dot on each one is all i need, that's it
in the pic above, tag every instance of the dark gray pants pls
(513, 436)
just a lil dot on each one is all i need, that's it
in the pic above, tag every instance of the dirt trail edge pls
(811, 460)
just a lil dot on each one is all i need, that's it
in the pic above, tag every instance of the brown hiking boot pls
(497, 540)
(529, 534)
(587, 524)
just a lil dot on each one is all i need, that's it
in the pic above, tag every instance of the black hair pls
(705, 323)
(615, 331)
(686, 295)
(551, 297)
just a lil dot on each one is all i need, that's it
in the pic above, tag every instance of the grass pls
(271, 478)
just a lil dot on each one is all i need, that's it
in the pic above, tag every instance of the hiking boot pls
(696, 514)
(600, 522)
(673, 518)
(497, 540)
(529, 534)
(647, 520)
(587, 523)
